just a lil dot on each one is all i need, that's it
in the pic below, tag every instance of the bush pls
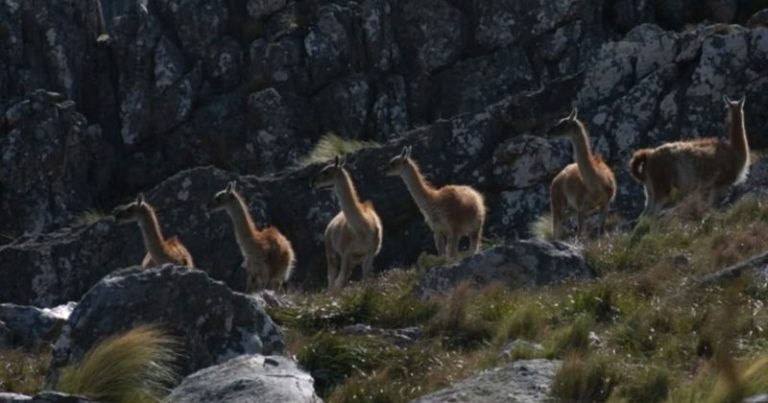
(331, 145)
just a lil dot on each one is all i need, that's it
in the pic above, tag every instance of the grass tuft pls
(135, 366)
(331, 145)
(584, 380)
(541, 228)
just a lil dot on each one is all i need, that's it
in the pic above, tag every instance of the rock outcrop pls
(29, 327)
(520, 264)
(526, 381)
(213, 323)
(268, 379)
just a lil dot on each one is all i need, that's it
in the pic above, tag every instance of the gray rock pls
(380, 36)
(213, 323)
(759, 19)
(343, 107)
(28, 326)
(335, 43)
(756, 399)
(43, 397)
(275, 133)
(263, 8)
(525, 161)
(249, 378)
(390, 109)
(518, 264)
(525, 381)
(430, 33)
(48, 156)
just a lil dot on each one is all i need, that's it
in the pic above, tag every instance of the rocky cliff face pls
(101, 100)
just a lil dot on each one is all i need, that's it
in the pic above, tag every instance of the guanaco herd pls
(353, 237)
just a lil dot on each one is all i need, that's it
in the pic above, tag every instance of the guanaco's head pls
(131, 211)
(223, 198)
(565, 127)
(735, 108)
(396, 165)
(327, 176)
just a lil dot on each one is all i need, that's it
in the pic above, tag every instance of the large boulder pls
(249, 378)
(29, 326)
(213, 323)
(526, 381)
(519, 264)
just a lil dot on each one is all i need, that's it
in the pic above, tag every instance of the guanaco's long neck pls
(350, 203)
(153, 237)
(583, 153)
(738, 134)
(421, 191)
(241, 220)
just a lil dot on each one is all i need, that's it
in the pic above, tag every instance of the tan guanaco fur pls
(159, 249)
(353, 237)
(705, 165)
(584, 186)
(451, 212)
(269, 257)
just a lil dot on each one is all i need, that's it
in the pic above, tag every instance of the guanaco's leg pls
(332, 260)
(453, 245)
(603, 217)
(368, 266)
(344, 273)
(439, 243)
(475, 238)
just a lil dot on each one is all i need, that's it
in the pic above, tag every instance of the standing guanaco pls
(706, 165)
(159, 249)
(451, 212)
(353, 237)
(269, 257)
(585, 186)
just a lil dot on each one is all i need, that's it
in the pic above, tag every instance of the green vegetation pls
(23, 372)
(639, 333)
(135, 366)
(331, 145)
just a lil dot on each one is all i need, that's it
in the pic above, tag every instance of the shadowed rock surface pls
(525, 381)
(268, 379)
(520, 264)
(213, 323)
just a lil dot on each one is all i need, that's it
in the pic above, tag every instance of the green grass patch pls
(331, 145)
(23, 372)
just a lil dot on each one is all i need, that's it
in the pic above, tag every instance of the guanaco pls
(269, 257)
(353, 237)
(707, 165)
(159, 249)
(451, 212)
(585, 186)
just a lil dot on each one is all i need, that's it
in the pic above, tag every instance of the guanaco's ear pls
(337, 161)
(408, 152)
(742, 101)
(726, 99)
(573, 114)
(404, 152)
(140, 199)
(343, 162)
(231, 186)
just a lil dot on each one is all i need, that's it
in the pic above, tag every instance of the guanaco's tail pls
(637, 164)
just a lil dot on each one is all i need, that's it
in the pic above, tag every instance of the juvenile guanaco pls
(353, 237)
(584, 186)
(451, 212)
(706, 165)
(159, 249)
(269, 257)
